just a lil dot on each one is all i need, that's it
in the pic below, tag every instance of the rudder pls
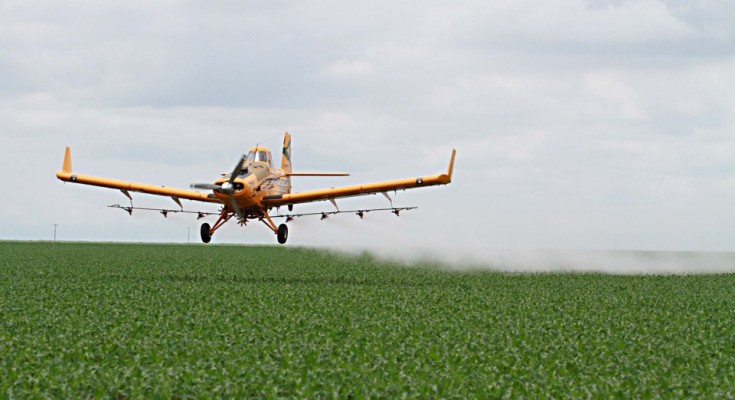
(286, 156)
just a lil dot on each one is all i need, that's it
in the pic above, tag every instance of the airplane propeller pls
(226, 187)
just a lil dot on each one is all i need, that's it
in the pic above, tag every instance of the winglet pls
(66, 167)
(446, 179)
(451, 165)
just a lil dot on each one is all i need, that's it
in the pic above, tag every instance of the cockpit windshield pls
(258, 156)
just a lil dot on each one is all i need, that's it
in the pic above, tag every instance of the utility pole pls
(188, 232)
(55, 225)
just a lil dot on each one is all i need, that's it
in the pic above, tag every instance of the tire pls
(282, 233)
(206, 237)
(290, 207)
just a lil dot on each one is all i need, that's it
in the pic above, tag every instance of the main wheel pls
(206, 236)
(282, 233)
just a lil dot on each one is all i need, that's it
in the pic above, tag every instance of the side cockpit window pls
(265, 156)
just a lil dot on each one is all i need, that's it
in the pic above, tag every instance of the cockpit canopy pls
(259, 154)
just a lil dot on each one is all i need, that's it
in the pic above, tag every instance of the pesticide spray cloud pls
(411, 240)
(536, 261)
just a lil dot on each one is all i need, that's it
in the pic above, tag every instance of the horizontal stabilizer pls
(317, 174)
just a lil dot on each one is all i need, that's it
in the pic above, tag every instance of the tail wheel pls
(282, 233)
(206, 236)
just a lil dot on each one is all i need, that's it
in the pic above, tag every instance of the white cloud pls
(613, 94)
(351, 69)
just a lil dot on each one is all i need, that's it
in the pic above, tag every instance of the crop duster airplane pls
(254, 187)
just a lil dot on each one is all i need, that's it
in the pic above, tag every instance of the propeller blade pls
(236, 208)
(225, 188)
(208, 186)
(237, 170)
(229, 188)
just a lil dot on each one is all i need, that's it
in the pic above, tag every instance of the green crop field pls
(177, 321)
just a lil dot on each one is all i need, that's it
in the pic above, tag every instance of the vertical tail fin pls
(286, 157)
(286, 160)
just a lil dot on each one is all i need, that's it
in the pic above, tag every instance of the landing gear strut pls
(282, 233)
(206, 236)
(207, 231)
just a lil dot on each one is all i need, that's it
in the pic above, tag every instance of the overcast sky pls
(578, 124)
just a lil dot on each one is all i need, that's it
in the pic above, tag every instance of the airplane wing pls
(359, 190)
(67, 175)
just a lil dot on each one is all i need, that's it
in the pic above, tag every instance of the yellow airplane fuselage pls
(261, 181)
